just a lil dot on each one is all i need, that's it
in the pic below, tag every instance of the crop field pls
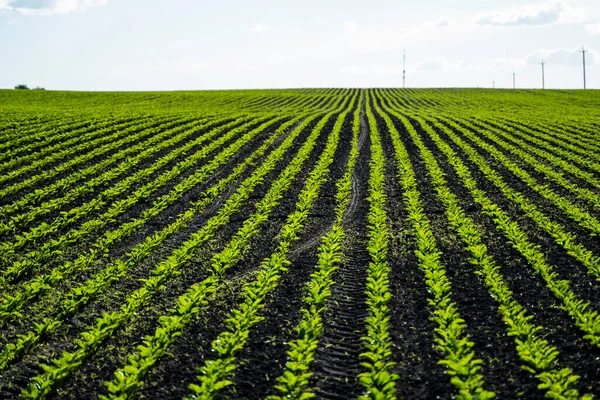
(288, 244)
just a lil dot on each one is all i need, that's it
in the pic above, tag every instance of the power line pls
(543, 83)
(583, 51)
(404, 69)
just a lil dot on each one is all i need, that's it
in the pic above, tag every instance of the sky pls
(241, 44)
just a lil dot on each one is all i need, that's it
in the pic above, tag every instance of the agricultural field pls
(285, 244)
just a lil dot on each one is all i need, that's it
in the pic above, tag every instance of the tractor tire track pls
(337, 359)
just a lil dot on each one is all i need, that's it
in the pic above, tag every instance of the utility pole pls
(543, 82)
(514, 86)
(404, 69)
(583, 51)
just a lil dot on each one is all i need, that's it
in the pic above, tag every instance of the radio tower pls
(583, 51)
(404, 69)
(543, 83)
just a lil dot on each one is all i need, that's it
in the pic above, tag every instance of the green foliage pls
(537, 355)
(459, 358)
(95, 187)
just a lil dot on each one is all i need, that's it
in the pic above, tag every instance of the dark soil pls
(527, 287)
(143, 136)
(567, 266)
(194, 344)
(541, 178)
(336, 365)
(263, 358)
(337, 358)
(412, 331)
(485, 327)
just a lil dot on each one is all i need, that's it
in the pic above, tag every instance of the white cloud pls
(503, 64)
(48, 7)
(593, 29)
(426, 65)
(562, 56)
(548, 13)
(430, 65)
(260, 28)
(244, 68)
(440, 64)
(350, 26)
(373, 70)
(180, 67)
(370, 40)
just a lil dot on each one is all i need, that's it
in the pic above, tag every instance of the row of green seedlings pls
(44, 133)
(18, 126)
(275, 103)
(28, 201)
(17, 119)
(292, 103)
(293, 383)
(216, 374)
(320, 103)
(69, 143)
(313, 103)
(524, 152)
(106, 326)
(588, 127)
(324, 102)
(71, 181)
(25, 263)
(587, 321)
(586, 220)
(42, 232)
(580, 310)
(584, 129)
(579, 129)
(562, 131)
(576, 145)
(288, 104)
(562, 237)
(113, 142)
(377, 378)
(564, 150)
(11, 305)
(41, 124)
(75, 156)
(112, 213)
(404, 101)
(116, 269)
(253, 105)
(165, 270)
(581, 217)
(498, 120)
(141, 152)
(131, 377)
(547, 153)
(537, 355)
(273, 100)
(267, 100)
(451, 339)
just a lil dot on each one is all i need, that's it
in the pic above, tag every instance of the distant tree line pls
(24, 87)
